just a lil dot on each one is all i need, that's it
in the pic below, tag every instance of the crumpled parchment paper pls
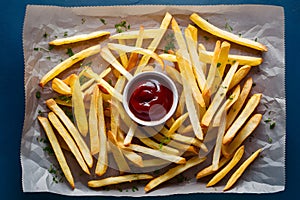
(264, 23)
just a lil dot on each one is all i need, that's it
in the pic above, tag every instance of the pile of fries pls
(214, 106)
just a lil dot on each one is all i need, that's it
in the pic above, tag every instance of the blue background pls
(12, 95)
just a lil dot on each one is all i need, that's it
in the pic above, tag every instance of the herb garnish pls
(56, 173)
(272, 125)
(65, 34)
(103, 21)
(122, 26)
(164, 141)
(83, 20)
(69, 52)
(35, 49)
(38, 94)
(219, 64)
(170, 42)
(45, 35)
(228, 27)
(206, 37)
(134, 188)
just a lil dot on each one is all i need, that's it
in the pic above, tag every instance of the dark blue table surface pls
(12, 94)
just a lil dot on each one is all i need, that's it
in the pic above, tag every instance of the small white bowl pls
(164, 80)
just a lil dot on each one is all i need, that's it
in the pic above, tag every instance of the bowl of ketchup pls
(150, 98)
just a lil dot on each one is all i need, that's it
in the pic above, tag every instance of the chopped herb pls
(224, 87)
(267, 120)
(38, 94)
(68, 112)
(50, 47)
(55, 36)
(48, 57)
(83, 20)
(109, 81)
(234, 61)
(170, 42)
(65, 34)
(45, 35)
(55, 174)
(103, 21)
(86, 65)
(255, 39)
(120, 189)
(164, 141)
(221, 94)
(49, 150)
(272, 125)
(253, 84)
(270, 140)
(219, 64)
(69, 52)
(206, 37)
(122, 26)
(40, 112)
(61, 60)
(35, 49)
(83, 79)
(228, 27)
(240, 35)
(134, 188)
(231, 97)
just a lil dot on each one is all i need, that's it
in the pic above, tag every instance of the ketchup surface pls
(150, 100)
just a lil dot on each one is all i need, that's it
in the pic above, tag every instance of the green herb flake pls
(267, 120)
(228, 27)
(255, 39)
(134, 188)
(45, 35)
(219, 64)
(206, 37)
(240, 35)
(164, 141)
(122, 26)
(83, 20)
(69, 52)
(120, 189)
(231, 97)
(38, 94)
(253, 84)
(48, 58)
(49, 150)
(170, 40)
(66, 34)
(270, 140)
(103, 21)
(272, 125)
(50, 47)
(36, 49)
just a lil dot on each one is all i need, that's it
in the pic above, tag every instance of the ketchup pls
(150, 100)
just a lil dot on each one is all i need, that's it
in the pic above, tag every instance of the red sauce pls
(150, 100)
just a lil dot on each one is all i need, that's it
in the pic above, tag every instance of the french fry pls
(223, 57)
(130, 134)
(173, 73)
(181, 104)
(119, 158)
(102, 162)
(239, 75)
(68, 140)
(57, 150)
(237, 106)
(178, 122)
(250, 126)
(139, 50)
(241, 170)
(118, 179)
(123, 55)
(133, 59)
(236, 158)
(109, 57)
(93, 125)
(72, 130)
(78, 38)
(189, 140)
(219, 96)
(173, 172)
(189, 99)
(206, 26)
(68, 63)
(155, 162)
(148, 34)
(157, 153)
(247, 111)
(168, 57)
(79, 108)
(209, 170)
(60, 87)
(206, 57)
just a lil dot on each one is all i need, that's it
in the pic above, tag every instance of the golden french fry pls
(148, 34)
(119, 158)
(68, 63)
(250, 126)
(78, 38)
(123, 55)
(173, 172)
(60, 87)
(239, 75)
(219, 96)
(155, 162)
(102, 162)
(57, 150)
(206, 57)
(206, 26)
(157, 153)
(79, 108)
(181, 104)
(130, 134)
(72, 130)
(168, 57)
(133, 59)
(236, 158)
(109, 57)
(178, 122)
(139, 50)
(68, 140)
(64, 103)
(162, 147)
(93, 125)
(237, 106)
(208, 170)
(118, 179)
(241, 170)
(223, 57)
(189, 140)
(238, 123)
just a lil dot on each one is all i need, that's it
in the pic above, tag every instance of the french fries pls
(211, 99)
(57, 150)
